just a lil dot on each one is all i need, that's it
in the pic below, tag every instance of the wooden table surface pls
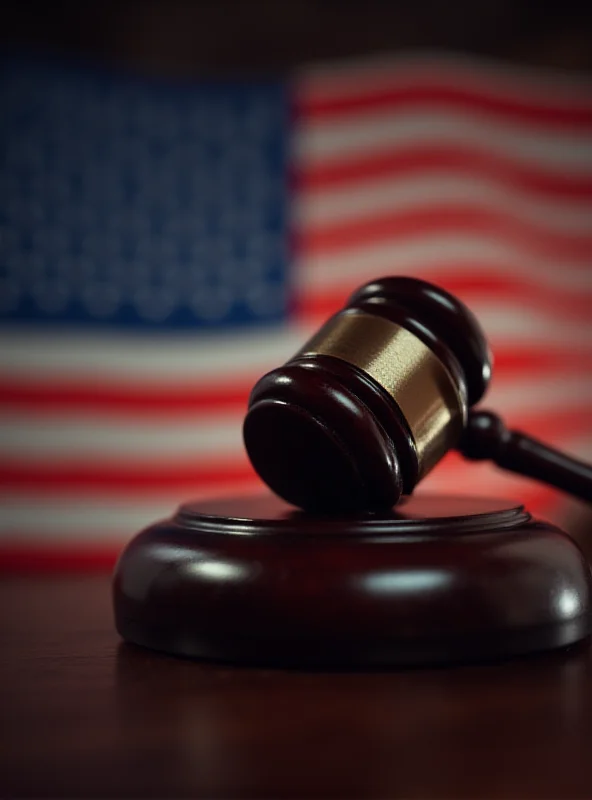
(82, 714)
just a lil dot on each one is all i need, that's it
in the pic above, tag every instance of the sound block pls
(435, 580)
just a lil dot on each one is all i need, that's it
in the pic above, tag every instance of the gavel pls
(375, 399)
(345, 430)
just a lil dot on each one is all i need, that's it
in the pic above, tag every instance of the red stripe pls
(66, 394)
(540, 500)
(523, 361)
(44, 558)
(429, 220)
(479, 282)
(315, 105)
(480, 474)
(122, 478)
(468, 160)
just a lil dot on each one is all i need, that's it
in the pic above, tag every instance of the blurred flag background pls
(164, 242)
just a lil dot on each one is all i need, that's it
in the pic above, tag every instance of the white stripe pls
(75, 520)
(33, 518)
(91, 436)
(187, 358)
(515, 324)
(326, 142)
(313, 210)
(522, 398)
(435, 253)
(562, 88)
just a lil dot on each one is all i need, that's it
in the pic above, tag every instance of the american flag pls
(163, 245)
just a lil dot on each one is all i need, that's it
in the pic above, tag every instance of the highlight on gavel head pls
(372, 401)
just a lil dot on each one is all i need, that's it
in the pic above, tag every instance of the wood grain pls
(83, 715)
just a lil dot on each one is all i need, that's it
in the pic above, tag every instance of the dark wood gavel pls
(378, 396)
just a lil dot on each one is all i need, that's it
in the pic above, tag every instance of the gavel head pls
(372, 401)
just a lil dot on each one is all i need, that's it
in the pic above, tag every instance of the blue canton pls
(128, 202)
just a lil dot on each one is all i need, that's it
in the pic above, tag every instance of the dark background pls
(174, 37)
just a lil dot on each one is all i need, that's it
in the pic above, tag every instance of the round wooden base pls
(438, 579)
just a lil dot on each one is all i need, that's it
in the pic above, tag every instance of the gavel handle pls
(486, 437)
